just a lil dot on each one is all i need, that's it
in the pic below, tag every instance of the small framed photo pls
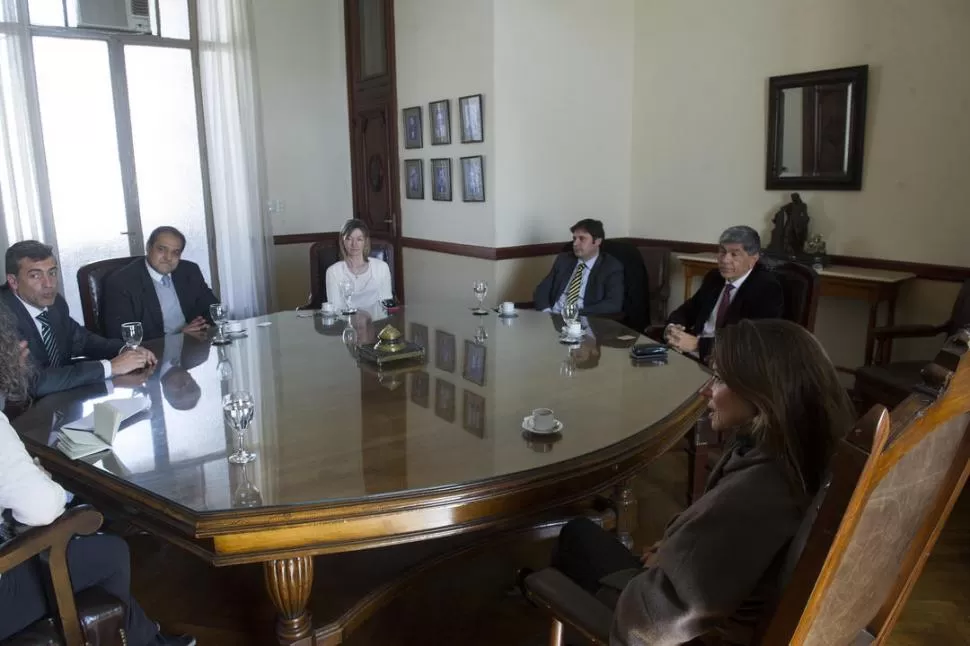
(420, 386)
(444, 351)
(414, 179)
(412, 128)
(473, 179)
(473, 367)
(444, 399)
(441, 180)
(419, 336)
(472, 128)
(439, 114)
(473, 413)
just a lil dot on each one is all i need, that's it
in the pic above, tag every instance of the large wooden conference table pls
(350, 457)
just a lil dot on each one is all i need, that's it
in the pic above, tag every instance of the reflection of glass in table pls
(331, 436)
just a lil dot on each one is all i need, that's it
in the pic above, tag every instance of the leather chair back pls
(657, 262)
(326, 253)
(800, 285)
(90, 283)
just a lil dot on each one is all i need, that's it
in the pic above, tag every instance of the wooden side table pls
(874, 286)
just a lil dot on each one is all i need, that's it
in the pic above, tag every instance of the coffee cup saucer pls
(528, 424)
(506, 315)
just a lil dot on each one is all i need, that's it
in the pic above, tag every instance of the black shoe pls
(174, 640)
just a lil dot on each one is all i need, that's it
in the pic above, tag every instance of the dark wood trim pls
(923, 271)
(305, 238)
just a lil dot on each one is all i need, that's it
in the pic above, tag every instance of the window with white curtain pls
(100, 134)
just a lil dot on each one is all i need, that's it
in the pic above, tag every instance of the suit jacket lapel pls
(564, 279)
(149, 297)
(710, 302)
(181, 285)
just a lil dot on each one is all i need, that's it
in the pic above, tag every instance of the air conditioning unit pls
(116, 15)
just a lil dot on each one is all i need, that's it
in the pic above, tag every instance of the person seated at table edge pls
(371, 277)
(165, 293)
(32, 498)
(717, 567)
(591, 279)
(53, 337)
(739, 288)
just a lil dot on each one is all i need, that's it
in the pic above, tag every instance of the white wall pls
(303, 95)
(444, 51)
(564, 108)
(701, 75)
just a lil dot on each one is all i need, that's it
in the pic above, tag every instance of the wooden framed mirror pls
(816, 130)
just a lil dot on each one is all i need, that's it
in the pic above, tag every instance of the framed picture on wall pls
(473, 179)
(412, 127)
(414, 179)
(441, 180)
(439, 114)
(472, 124)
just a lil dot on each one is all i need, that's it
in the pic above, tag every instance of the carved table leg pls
(626, 512)
(288, 582)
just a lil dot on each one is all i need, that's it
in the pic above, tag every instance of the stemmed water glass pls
(480, 287)
(346, 287)
(132, 333)
(247, 494)
(238, 408)
(219, 315)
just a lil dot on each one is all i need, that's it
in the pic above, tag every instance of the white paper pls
(127, 407)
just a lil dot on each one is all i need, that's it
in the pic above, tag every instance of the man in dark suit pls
(592, 280)
(52, 336)
(740, 288)
(167, 294)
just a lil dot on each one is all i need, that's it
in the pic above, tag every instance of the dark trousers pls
(585, 552)
(99, 560)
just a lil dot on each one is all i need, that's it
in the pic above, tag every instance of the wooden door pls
(371, 81)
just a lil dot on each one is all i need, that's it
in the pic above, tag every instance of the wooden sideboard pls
(874, 286)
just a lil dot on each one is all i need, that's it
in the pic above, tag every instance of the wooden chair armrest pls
(570, 604)
(50, 542)
(907, 331)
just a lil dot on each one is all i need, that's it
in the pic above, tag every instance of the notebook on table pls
(96, 432)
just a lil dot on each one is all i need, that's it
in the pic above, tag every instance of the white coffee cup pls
(507, 307)
(234, 327)
(543, 419)
(327, 308)
(574, 329)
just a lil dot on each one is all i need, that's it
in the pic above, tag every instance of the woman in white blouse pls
(371, 277)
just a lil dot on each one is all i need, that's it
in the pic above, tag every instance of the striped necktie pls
(50, 343)
(572, 290)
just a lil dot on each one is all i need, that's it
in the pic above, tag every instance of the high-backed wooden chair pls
(867, 536)
(325, 253)
(884, 381)
(94, 617)
(657, 262)
(90, 284)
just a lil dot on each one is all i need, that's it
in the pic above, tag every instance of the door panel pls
(372, 184)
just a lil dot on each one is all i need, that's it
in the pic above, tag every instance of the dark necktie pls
(723, 306)
(50, 343)
(572, 290)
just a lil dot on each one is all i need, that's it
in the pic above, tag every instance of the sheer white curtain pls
(236, 179)
(19, 196)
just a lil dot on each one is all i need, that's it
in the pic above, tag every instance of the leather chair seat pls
(102, 620)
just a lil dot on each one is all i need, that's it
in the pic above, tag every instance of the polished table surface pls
(351, 457)
(327, 430)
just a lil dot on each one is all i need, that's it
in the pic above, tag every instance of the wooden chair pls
(94, 617)
(323, 254)
(90, 284)
(884, 381)
(868, 534)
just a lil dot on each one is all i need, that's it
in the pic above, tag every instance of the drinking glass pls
(480, 287)
(570, 313)
(219, 316)
(247, 494)
(346, 287)
(238, 408)
(132, 333)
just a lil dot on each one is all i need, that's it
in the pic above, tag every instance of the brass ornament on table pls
(390, 339)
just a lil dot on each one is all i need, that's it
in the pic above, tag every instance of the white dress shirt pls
(712, 319)
(35, 312)
(25, 488)
(561, 302)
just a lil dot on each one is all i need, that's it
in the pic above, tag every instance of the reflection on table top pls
(327, 429)
(834, 271)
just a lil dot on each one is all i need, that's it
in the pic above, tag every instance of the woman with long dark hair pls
(775, 390)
